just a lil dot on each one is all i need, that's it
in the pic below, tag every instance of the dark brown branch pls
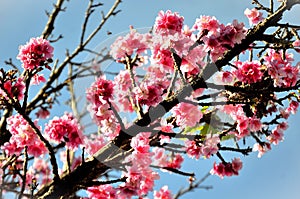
(174, 171)
(25, 165)
(243, 151)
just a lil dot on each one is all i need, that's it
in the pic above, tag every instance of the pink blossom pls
(248, 72)
(206, 23)
(163, 193)
(281, 70)
(219, 37)
(140, 142)
(175, 161)
(100, 92)
(242, 126)
(193, 61)
(35, 53)
(140, 177)
(129, 44)
(261, 149)
(186, 114)
(254, 16)
(296, 43)
(239, 31)
(282, 126)
(227, 169)
(254, 124)
(293, 107)
(102, 192)
(13, 89)
(148, 94)
(64, 129)
(210, 146)
(227, 77)
(163, 57)
(168, 22)
(94, 143)
(193, 149)
(23, 135)
(123, 90)
(42, 113)
(276, 136)
(237, 165)
(37, 79)
(100, 89)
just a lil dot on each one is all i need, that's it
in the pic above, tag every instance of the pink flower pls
(132, 42)
(206, 23)
(163, 193)
(242, 126)
(296, 45)
(175, 161)
(42, 113)
(261, 149)
(35, 53)
(140, 142)
(186, 114)
(210, 145)
(102, 192)
(193, 149)
(281, 70)
(148, 94)
(254, 124)
(140, 177)
(227, 169)
(219, 37)
(23, 135)
(227, 77)
(168, 22)
(237, 165)
(37, 79)
(163, 57)
(64, 129)
(253, 15)
(276, 136)
(100, 89)
(293, 107)
(248, 72)
(94, 143)
(13, 89)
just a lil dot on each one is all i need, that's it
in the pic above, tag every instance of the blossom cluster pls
(178, 54)
(206, 149)
(99, 94)
(37, 52)
(23, 135)
(254, 16)
(228, 168)
(219, 37)
(280, 68)
(14, 89)
(64, 129)
(139, 176)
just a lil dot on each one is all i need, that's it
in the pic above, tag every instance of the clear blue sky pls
(275, 176)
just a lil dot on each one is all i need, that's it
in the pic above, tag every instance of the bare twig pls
(193, 186)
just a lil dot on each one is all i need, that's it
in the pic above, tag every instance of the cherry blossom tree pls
(180, 92)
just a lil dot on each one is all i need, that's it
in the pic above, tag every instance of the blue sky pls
(276, 175)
